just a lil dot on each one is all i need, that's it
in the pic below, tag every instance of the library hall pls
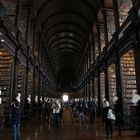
(69, 69)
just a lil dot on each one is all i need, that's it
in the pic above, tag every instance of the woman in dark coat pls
(16, 118)
(108, 122)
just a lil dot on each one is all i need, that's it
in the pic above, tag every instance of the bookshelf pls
(30, 83)
(111, 82)
(6, 62)
(102, 85)
(36, 78)
(20, 78)
(96, 47)
(102, 37)
(110, 24)
(124, 7)
(96, 86)
(128, 79)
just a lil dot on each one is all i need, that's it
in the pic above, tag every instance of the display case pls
(128, 79)
(6, 62)
(111, 82)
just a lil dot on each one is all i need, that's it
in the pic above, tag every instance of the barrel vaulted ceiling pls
(66, 26)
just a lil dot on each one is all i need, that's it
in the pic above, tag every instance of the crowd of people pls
(53, 110)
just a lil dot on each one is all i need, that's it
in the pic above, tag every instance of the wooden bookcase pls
(111, 82)
(128, 79)
(20, 78)
(102, 85)
(6, 62)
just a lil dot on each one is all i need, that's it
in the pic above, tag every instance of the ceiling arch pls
(66, 26)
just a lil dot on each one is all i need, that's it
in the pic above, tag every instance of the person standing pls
(92, 110)
(16, 118)
(108, 122)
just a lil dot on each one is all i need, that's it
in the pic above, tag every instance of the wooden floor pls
(40, 130)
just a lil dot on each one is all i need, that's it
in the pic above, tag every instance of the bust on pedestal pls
(36, 99)
(29, 99)
(135, 97)
(0, 97)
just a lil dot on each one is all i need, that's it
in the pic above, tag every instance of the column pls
(116, 15)
(135, 17)
(118, 81)
(14, 73)
(18, 2)
(106, 77)
(99, 93)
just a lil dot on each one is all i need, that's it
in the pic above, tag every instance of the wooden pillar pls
(89, 52)
(85, 88)
(92, 47)
(116, 15)
(39, 81)
(118, 81)
(106, 77)
(105, 27)
(27, 26)
(89, 93)
(99, 93)
(134, 19)
(93, 90)
(14, 74)
(25, 83)
(106, 44)
(18, 2)
(43, 88)
(98, 38)
(33, 96)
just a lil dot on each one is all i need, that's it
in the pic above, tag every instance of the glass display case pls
(128, 77)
